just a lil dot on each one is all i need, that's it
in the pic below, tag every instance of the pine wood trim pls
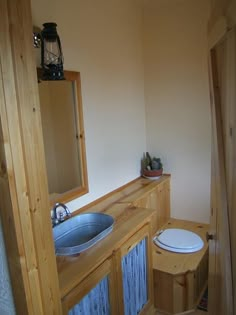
(76, 192)
(25, 203)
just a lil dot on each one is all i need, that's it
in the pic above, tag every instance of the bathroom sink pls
(81, 232)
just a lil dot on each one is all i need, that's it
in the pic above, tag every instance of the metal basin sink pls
(80, 232)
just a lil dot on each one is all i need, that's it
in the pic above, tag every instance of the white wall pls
(177, 100)
(103, 40)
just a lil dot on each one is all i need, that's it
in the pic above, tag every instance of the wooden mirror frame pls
(74, 77)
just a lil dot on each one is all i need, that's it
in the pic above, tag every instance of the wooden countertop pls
(142, 187)
(175, 263)
(73, 269)
(128, 219)
(127, 194)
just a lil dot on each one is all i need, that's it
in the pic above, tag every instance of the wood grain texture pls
(29, 245)
(129, 220)
(64, 153)
(143, 193)
(117, 247)
(221, 286)
(179, 279)
(173, 263)
(131, 193)
(125, 249)
(90, 282)
(226, 66)
(158, 198)
(95, 302)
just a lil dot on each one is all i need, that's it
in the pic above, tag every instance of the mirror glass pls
(63, 135)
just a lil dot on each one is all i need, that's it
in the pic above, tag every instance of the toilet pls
(180, 265)
(178, 241)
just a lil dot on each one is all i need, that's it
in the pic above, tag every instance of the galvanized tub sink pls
(81, 232)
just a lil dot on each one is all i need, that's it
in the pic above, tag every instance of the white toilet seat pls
(179, 241)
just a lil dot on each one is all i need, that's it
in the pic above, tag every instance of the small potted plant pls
(151, 167)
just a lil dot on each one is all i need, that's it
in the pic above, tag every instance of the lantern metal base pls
(53, 74)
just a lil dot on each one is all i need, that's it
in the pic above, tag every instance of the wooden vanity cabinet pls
(134, 274)
(122, 284)
(95, 294)
(157, 198)
(124, 274)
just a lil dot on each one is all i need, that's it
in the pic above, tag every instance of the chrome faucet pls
(62, 215)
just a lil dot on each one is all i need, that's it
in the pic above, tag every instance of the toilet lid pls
(179, 240)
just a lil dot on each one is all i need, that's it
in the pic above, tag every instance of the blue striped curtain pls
(135, 282)
(96, 302)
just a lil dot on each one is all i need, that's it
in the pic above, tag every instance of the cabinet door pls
(94, 295)
(158, 199)
(135, 278)
(150, 201)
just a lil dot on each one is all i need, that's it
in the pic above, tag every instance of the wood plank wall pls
(24, 200)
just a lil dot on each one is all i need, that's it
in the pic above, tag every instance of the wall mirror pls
(63, 136)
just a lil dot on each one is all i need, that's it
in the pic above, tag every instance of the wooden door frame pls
(24, 201)
(222, 243)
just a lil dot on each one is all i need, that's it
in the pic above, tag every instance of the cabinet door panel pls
(134, 274)
(95, 295)
(95, 302)
(135, 282)
(158, 199)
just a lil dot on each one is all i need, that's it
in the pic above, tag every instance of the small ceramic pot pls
(152, 173)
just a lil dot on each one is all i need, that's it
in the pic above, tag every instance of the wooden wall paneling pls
(13, 241)
(14, 165)
(25, 165)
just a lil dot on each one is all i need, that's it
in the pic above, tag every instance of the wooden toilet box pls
(180, 279)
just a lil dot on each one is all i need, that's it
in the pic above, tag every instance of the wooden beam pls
(24, 199)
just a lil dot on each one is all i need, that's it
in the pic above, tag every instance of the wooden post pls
(24, 203)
